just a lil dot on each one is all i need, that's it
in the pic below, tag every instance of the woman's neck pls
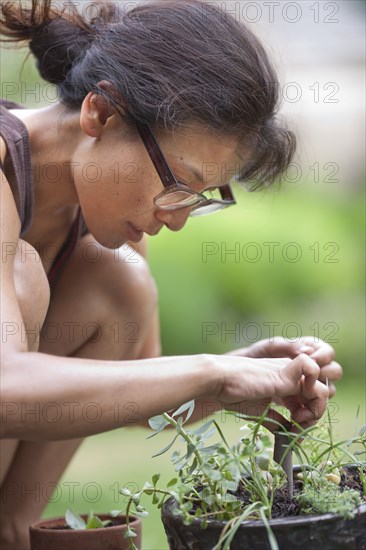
(54, 133)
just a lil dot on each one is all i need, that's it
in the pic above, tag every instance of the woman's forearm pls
(101, 396)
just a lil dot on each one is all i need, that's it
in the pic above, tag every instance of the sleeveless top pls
(18, 163)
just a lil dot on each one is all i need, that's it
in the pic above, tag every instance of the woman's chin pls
(111, 243)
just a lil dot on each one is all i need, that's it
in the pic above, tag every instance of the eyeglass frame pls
(168, 179)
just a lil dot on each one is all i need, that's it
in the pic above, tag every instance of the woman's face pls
(116, 181)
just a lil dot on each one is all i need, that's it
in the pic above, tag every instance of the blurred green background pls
(288, 260)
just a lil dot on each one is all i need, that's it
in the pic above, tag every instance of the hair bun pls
(57, 36)
(56, 44)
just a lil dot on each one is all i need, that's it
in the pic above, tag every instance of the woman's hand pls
(250, 385)
(318, 350)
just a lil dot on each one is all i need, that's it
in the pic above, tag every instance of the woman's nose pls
(174, 219)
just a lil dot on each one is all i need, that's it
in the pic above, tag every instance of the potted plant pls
(75, 532)
(238, 497)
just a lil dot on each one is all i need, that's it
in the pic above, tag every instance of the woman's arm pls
(47, 397)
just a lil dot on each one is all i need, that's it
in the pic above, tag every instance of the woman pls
(146, 99)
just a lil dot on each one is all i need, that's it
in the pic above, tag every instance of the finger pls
(323, 355)
(332, 371)
(285, 348)
(280, 347)
(308, 345)
(311, 372)
(290, 376)
(313, 394)
(312, 341)
(314, 408)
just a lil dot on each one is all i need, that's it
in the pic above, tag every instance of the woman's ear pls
(94, 114)
(96, 110)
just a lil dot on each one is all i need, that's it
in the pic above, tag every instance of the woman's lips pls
(134, 234)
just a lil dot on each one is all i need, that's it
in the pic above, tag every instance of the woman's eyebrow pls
(199, 177)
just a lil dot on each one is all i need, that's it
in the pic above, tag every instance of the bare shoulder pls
(3, 149)
(10, 222)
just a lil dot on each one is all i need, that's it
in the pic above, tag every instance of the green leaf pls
(214, 475)
(198, 513)
(229, 498)
(230, 485)
(115, 513)
(175, 456)
(155, 479)
(211, 449)
(271, 538)
(263, 461)
(209, 499)
(208, 434)
(185, 407)
(162, 451)
(190, 450)
(203, 428)
(143, 514)
(130, 533)
(188, 520)
(193, 466)
(73, 520)
(94, 523)
(157, 423)
(172, 482)
(106, 522)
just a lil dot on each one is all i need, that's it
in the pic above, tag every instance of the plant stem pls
(187, 438)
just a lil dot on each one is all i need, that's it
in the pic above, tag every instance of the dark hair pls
(173, 61)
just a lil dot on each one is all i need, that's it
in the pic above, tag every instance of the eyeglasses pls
(177, 195)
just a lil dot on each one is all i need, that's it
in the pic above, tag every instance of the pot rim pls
(170, 504)
(36, 526)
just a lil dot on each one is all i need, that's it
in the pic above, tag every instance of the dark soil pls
(64, 527)
(284, 506)
(351, 479)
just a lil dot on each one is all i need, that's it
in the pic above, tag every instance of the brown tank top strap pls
(18, 161)
(77, 230)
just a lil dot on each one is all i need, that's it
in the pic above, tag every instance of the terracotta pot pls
(318, 532)
(44, 536)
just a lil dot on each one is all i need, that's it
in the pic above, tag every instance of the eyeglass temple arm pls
(157, 158)
(162, 167)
